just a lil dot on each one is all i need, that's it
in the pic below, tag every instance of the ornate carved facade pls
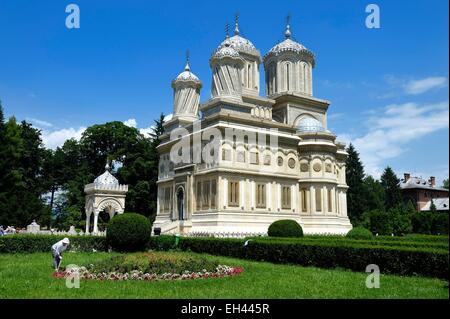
(252, 182)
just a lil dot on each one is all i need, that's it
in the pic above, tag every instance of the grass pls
(29, 276)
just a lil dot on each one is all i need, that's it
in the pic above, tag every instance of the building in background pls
(421, 192)
(251, 184)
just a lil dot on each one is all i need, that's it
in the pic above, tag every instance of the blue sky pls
(388, 86)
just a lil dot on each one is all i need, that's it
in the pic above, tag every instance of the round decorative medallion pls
(317, 167)
(291, 163)
(280, 161)
(304, 167)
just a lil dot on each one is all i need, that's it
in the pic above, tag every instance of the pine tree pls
(356, 194)
(374, 194)
(392, 191)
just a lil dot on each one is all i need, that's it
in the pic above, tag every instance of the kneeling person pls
(57, 250)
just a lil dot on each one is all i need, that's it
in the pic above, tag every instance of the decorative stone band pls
(94, 187)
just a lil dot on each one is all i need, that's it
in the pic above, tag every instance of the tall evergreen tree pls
(374, 194)
(392, 191)
(356, 199)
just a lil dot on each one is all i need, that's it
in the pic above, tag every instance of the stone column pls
(88, 221)
(225, 192)
(333, 200)
(96, 213)
(312, 199)
(325, 200)
(252, 194)
(344, 206)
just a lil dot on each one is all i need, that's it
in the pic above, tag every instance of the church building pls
(251, 184)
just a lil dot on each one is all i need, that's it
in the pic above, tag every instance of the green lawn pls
(29, 276)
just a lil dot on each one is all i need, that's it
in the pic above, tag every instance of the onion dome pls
(310, 124)
(106, 179)
(240, 44)
(289, 45)
(225, 51)
(187, 76)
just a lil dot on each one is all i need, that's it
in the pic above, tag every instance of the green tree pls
(400, 220)
(21, 187)
(374, 194)
(392, 191)
(445, 183)
(378, 222)
(356, 194)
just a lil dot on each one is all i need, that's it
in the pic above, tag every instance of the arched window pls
(305, 77)
(249, 76)
(271, 78)
(288, 76)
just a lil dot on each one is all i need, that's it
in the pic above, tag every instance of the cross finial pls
(187, 67)
(227, 29)
(107, 167)
(287, 33)
(236, 24)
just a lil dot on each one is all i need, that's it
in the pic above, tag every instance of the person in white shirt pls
(57, 250)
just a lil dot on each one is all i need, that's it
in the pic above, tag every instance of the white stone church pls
(248, 185)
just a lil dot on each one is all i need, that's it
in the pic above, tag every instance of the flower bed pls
(84, 273)
(152, 266)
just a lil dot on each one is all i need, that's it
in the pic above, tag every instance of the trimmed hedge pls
(359, 233)
(353, 256)
(129, 232)
(26, 243)
(285, 228)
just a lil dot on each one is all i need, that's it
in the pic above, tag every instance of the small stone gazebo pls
(104, 194)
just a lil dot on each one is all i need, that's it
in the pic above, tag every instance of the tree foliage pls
(22, 179)
(37, 181)
(356, 199)
(392, 191)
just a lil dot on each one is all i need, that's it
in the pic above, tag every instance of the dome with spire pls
(239, 43)
(106, 179)
(289, 45)
(225, 51)
(187, 75)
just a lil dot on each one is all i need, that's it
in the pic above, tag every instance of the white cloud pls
(131, 123)
(407, 86)
(57, 138)
(392, 128)
(415, 87)
(39, 123)
(149, 130)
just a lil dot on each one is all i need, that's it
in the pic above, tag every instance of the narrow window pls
(254, 158)
(330, 208)
(260, 195)
(233, 193)
(318, 199)
(205, 194)
(304, 200)
(287, 76)
(213, 194)
(286, 197)
(199, 196)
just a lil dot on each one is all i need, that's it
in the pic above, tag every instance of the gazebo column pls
(96, 213)
(88, 220)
